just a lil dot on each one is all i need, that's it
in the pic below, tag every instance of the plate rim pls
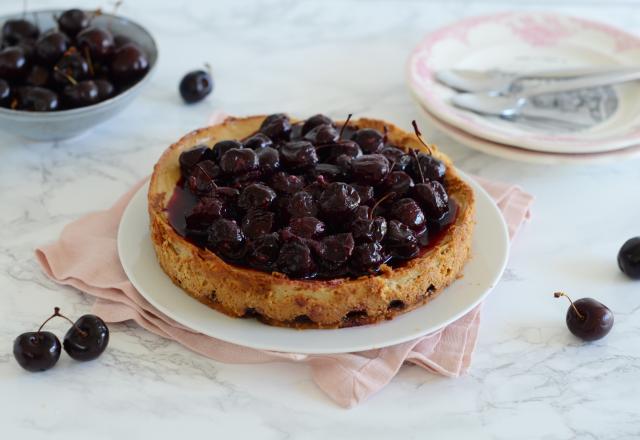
(527, 140)
(408, 336)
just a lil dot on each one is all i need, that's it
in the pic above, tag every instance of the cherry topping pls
(257, 223)
(268, 160)
(195, 86)
(307, 227)
(315, 121)
(13, 63)
(238, 160)
(370, 169)
(286, 183)
(399, 158)
(202, 178)
(258, 141)
(204, 213)
(256, 196)
(401, 240)
(322, 134)
(336, 249)
(366, 258)
(629, 258)
(371, 141)
(73, 21)
(338, 199)
(263, 251)
(276, 127)
(433, 199)
(51, 46)
(587, 318)
(399, 182)
(226, 239)
(298, 155)
(302, 204)
(222, 147)
(189, 158)
(295, 259)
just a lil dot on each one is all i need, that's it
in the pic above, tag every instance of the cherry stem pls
(345, 125)
(419, 136)
(415, 156)
(66, 75)
(382, 199)
(559, 294)
(56, 312)
(88, 56)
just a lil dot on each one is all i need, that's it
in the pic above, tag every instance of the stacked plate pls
(525, 42)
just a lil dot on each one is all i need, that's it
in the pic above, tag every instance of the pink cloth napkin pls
(85, 257)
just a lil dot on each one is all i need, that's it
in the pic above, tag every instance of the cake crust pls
(278, 300)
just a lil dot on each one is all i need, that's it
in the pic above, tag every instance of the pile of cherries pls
(73, 65)
(311, 200)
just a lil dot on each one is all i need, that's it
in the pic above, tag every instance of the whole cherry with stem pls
(587, 318)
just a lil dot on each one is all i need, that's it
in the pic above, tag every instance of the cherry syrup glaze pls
(322, 207)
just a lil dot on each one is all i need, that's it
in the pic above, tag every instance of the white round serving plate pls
(521, 42)
(490, 252)
(524, 155)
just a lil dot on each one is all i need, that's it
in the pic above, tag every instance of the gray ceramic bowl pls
(50, 126)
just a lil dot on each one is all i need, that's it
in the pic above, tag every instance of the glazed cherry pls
(433, 199)
(226, 239)
(399, 158)
(36, 99)
(238, 160)
(287, 183)
(87, 339)
(256, 196)
(129, 64)
(105, 89)
(366, 228)
(257, 223)
(629, 258)
(81, 94)
(331, 152)
(72, 21)
(195, 86)
(204, 213)
(5, 93)
(97, 41)
(587, 318)
(328, 171)
(337, 200)
(277, 127)
(401, 240)
(307, 227)
(13, 63)
(50, 47)
(71, 67)
(17, 30)
(38, 76)
(409, 213)
(268, 160)
(37, 351)
(335, 250)
(432, 168)
(369, 169)
(366, 258)
(322, 134)
(365, 192)
(297, 155)
(201, 180)
(315, 121)
(398, 182)
(371, 141)
(302, 204)
(263, 251)
(295, 260)
(189, 158)
(257, 142)
(222, 147)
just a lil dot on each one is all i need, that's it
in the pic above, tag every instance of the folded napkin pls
(85, 257)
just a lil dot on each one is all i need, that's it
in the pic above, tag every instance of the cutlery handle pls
(582, 83)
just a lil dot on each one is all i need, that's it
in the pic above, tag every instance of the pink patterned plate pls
(521, 42)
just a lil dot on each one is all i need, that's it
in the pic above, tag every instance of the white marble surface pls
(530, 378)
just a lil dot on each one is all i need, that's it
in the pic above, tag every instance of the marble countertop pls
(530, 377)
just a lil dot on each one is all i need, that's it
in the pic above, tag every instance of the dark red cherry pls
(38, 76)
(71, 66)
(87, 339)
(408, 212)
(629, 258)
(371, 141)
(226, 239)
(302, 204)
(205, 212)
(295, 260)
(256, 196)
(287, 183)
(36, 99)
(277, 127)
(335, 250)
(257, 223)
(398, 182)
(330, 152)
(328, 171)
(401, 241)
(588, 319)
(433, 199)
(262, 252)
(222, 147)
(307, 227)
(268, 160)
(367, 229)
(238, 160)
(400, 159)
(189, 158)
(81, 94)
(366, 258)
(129, 64)
(37, 351)
(315, 121)
(195, 86)
(72, 21)
(337, 200)
(257, 142)
(201, 180)
(298, 155)
(105, 89)
(5, 93)
(51, 46)
(13, 63)
(322, 134)
(432, 168)
(16, 30)
(98, 41)
(369, 169)
(365, 192)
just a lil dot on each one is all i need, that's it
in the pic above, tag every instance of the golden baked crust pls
(278, 300)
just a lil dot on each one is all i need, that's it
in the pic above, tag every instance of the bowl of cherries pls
(64, 71)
